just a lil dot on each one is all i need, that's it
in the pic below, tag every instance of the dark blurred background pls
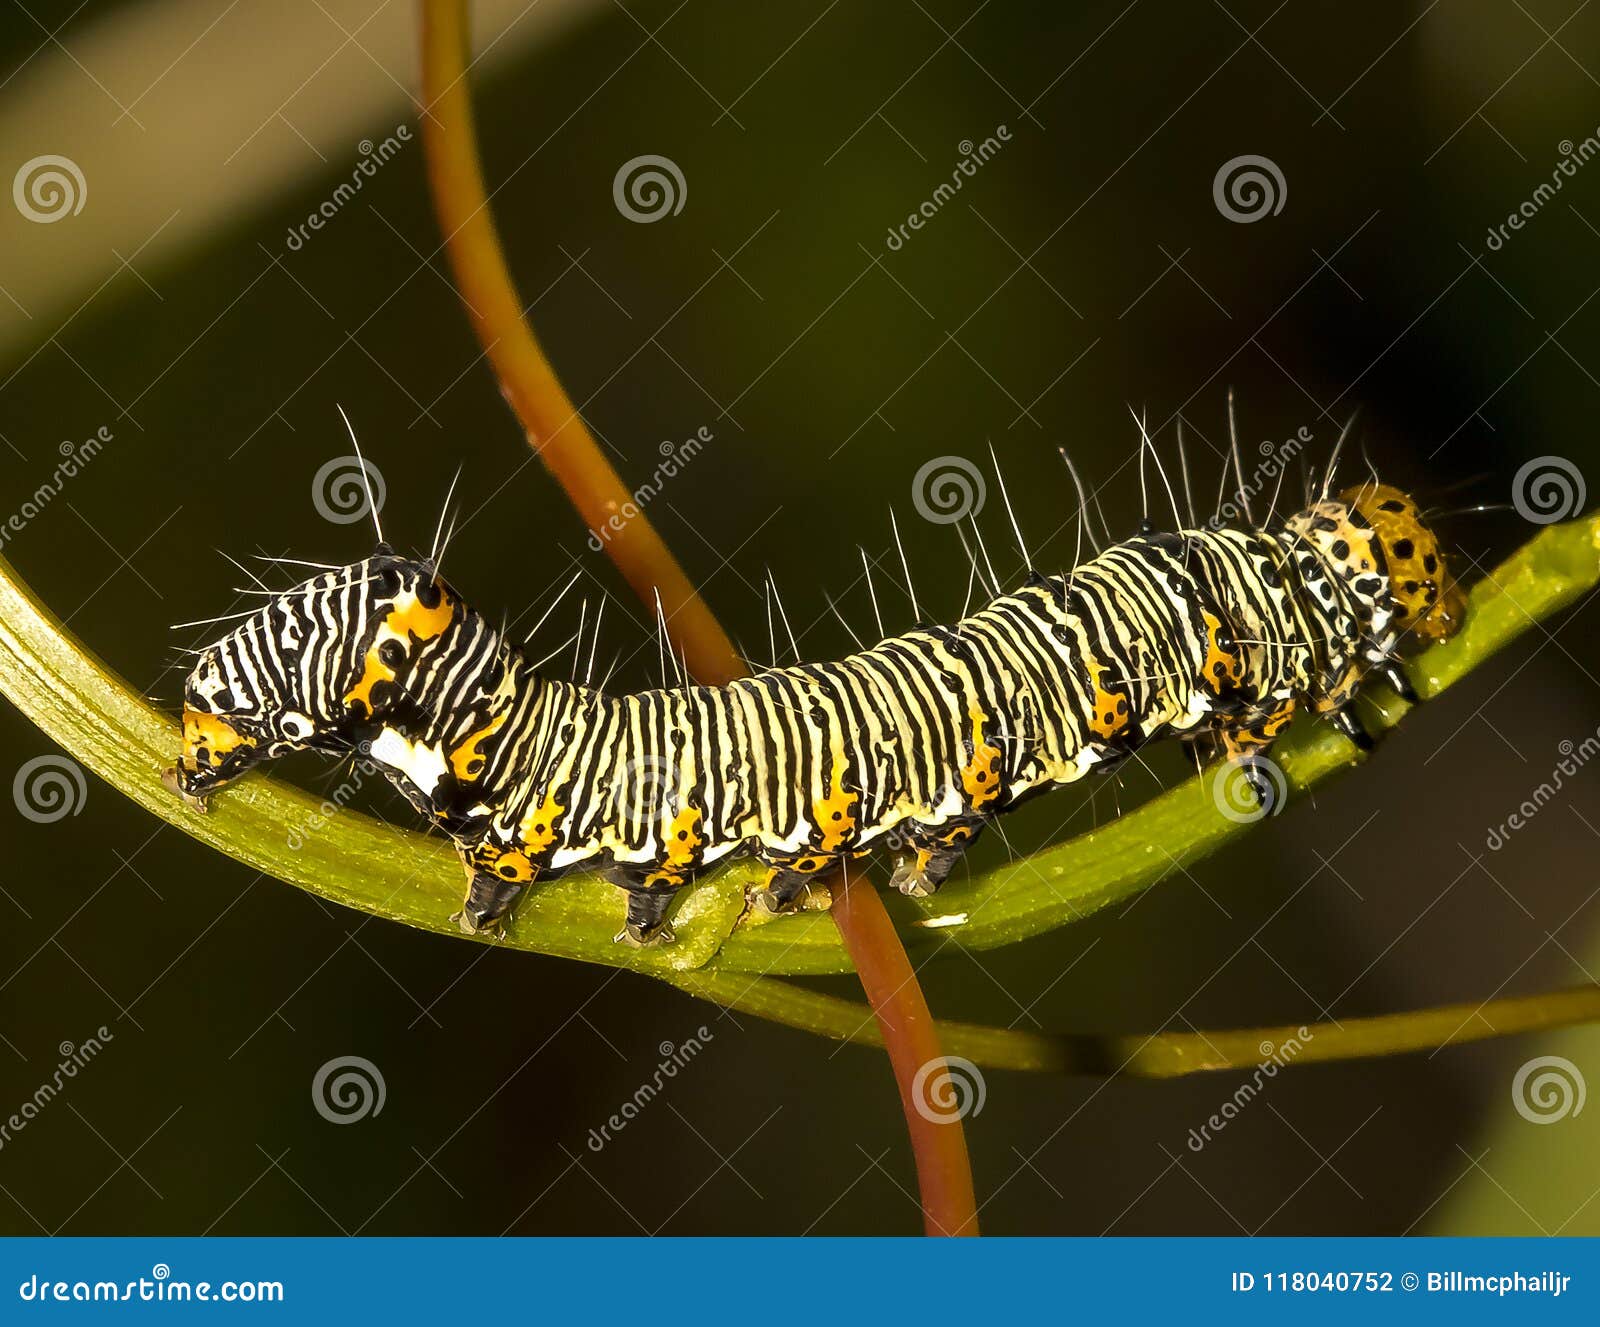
(1084, 268)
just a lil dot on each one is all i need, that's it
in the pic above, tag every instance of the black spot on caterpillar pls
(1213, 635)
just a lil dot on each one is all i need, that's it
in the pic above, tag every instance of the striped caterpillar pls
(1214, 635)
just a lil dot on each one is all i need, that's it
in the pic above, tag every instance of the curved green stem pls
(338, 854)
(1162, 1054)
(409, 877)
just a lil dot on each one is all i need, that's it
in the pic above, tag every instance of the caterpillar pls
(1214, 635)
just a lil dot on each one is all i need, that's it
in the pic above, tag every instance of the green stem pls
(407, 877)
(1161, 1054)
(280, 830)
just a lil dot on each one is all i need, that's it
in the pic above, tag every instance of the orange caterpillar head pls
(1428, 603)
(214, 752)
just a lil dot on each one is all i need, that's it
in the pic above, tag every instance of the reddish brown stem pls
(553, 427)
(561, 439)
(910, 1035)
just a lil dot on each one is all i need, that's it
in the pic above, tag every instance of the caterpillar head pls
(314, 669)
(1428, 603)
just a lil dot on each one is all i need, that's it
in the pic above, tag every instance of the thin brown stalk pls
(562, 440)
(553, 427)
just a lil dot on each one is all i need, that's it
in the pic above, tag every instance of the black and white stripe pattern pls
(1213, 634)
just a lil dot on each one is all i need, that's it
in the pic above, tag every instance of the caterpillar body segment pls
(1215, 636)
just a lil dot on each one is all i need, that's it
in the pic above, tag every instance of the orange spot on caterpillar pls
(504, 863)
(980, 777)
(834, 815)
(403, 622)
(1111, 714)
(539, 825)
(470, 753)
(684, 840)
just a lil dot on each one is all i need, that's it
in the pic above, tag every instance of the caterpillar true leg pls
(1394, 674)
(1253, 768)
(1348, 723)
